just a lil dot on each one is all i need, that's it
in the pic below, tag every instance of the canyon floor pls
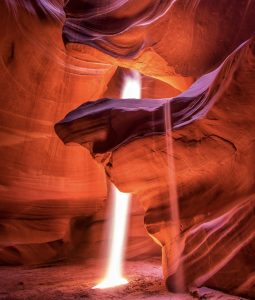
(75, 281)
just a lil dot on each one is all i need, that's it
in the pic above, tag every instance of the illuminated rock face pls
(50, 193)
(214, 179)
(52, 198)
(190, 36)
(43, 185)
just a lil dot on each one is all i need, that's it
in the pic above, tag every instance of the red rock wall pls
(43, 184)
(213, 158)
(49, 193)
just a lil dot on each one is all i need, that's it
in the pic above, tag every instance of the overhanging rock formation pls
(212, 154)
(52, 197)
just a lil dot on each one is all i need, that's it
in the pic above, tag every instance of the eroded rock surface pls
(43, 185)
(212, 155)
(50, 193)
(52, 198)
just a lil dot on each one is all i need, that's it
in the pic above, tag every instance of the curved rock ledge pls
(106, 124)
(213, 154)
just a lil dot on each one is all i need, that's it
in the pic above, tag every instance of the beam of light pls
(178, 281)
(132, 86)
(114, 277)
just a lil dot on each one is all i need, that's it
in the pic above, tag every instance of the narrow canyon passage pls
(67, 134)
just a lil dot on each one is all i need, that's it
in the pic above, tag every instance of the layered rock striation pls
(213, 154)
(53, 198)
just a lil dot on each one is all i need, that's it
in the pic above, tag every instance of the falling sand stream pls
(174, 232)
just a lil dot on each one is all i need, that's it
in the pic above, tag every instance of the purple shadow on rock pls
(106, 124)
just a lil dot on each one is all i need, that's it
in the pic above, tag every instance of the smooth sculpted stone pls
(191, 36)
(53, 197)
(213, 155)
(43, 185)
(106, 124)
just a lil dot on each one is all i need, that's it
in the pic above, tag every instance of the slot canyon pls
(182, 151)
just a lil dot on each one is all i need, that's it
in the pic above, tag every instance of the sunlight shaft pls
(114, 274)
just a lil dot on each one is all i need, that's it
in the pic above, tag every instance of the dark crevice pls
(11, 54)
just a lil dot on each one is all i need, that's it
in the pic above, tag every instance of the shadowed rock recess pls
(197, 60)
